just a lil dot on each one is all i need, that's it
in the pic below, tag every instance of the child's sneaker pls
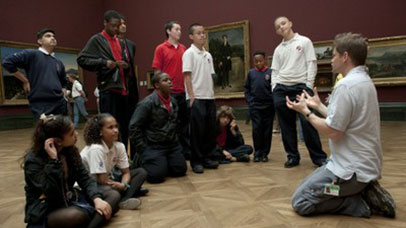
(129, 204)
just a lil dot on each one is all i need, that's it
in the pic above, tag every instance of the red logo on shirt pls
(299, 48)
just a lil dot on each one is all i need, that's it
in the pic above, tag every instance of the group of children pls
(106, 181)
(76, 189)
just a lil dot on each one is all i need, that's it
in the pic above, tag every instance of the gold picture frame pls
(386, 60)
(324, 51)
(150, 73)
(11, 89)
(229, 45)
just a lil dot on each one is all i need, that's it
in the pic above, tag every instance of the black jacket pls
(152, 124)
(94, 58)
(132, 84)
(45, 185)
(232, 141)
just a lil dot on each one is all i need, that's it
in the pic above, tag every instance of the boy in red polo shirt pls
(168, 59)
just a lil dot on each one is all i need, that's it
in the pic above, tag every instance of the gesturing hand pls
(299, 105)
(312, 101)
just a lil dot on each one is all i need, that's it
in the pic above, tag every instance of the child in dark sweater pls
(258, 93)
(230, 142)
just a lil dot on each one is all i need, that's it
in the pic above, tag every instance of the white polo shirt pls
(76, 88)
(98, 158)
(290, 62)
(200, 64)
(354, 110)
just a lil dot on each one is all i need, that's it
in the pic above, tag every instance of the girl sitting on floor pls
(104, 156)
(51, 167)
(230, 143)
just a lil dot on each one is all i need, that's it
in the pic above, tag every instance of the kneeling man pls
(347, 184)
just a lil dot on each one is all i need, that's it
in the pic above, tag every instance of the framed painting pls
(324, 51)
(270, 61)
(386, 60)
(229, 46)
(12, 91)
(150, 74)
(324, 81)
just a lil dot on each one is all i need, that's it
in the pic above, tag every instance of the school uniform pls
(153, 132)
(232, 143)
(203, 111)
(258, 93)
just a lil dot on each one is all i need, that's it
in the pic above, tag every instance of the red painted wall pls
(317, 19)
(76, 20)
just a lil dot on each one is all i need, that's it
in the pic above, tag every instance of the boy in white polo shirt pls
(294, 68)
(198, 70)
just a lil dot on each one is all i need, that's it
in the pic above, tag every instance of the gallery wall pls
(318, 19)
(75, 21)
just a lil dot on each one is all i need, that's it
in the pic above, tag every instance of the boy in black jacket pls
(153, 132)
(104, 55)
(230, 143)
(258, 93)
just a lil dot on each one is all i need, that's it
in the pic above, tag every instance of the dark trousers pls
(161, 160)
(56, 107)
(287, 122)
(183, 123)
(137, 178)
(117, 105)
(202, 131)
(262, 124)
(237, 152)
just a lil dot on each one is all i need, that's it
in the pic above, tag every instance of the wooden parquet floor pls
(238, 195)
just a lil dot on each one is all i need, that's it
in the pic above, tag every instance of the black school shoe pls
(142, 191)
(210, 164)
(320, 163)
(291, 162)
(379, 200)
(243, 158)
(265, 159)
(198, 169)
(257, 158)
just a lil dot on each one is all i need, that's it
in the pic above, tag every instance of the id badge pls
(331, 189)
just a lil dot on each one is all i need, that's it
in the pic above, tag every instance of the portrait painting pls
(229, 46)
(150, 74)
